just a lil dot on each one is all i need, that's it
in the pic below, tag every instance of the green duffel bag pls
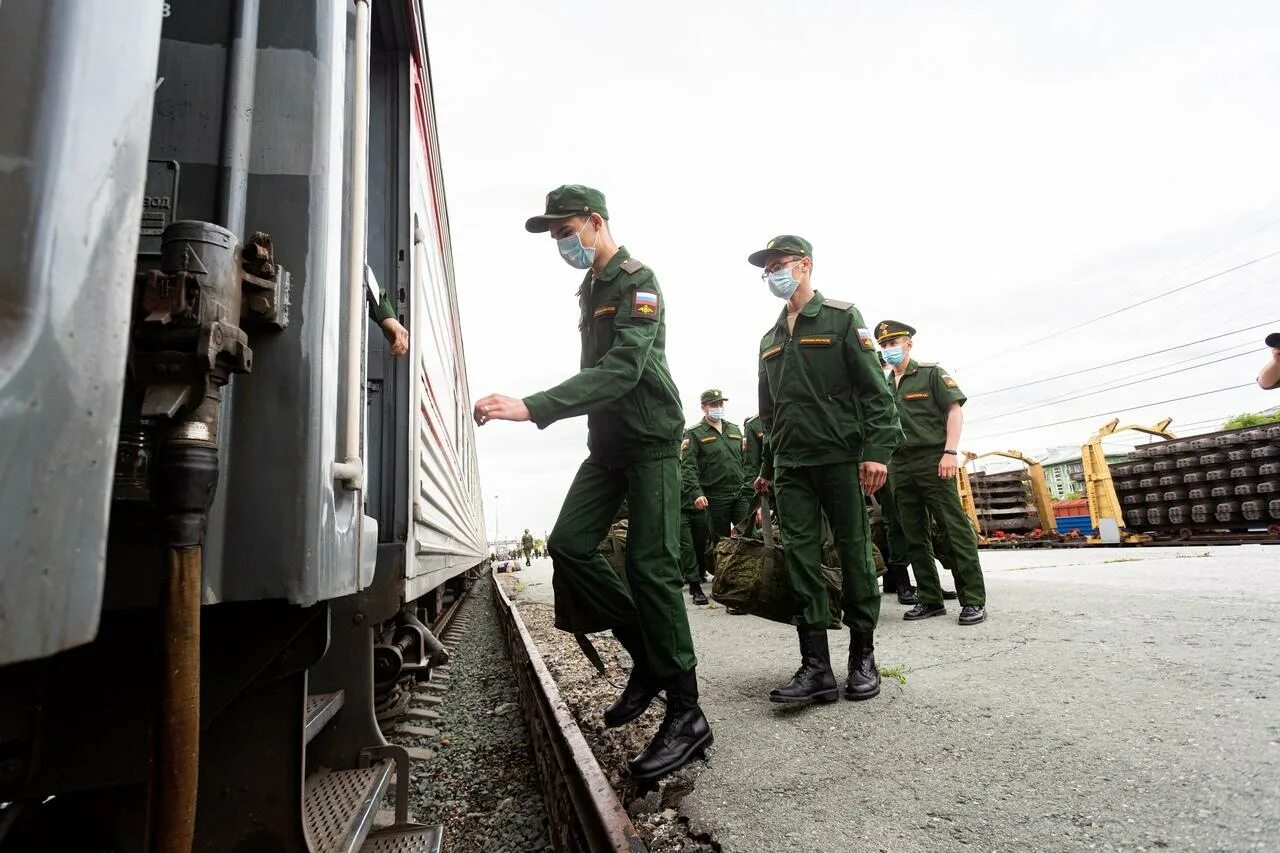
(614, 549)
(750, 576)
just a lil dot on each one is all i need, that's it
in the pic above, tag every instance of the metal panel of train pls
(72, 160)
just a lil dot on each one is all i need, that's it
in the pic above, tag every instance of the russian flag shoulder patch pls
(645, 305)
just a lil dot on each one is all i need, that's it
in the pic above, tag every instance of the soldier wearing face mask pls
(634, 427)
(924, 468)
(715, 457)
(832, 427)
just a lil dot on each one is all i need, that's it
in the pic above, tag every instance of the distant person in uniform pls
(526, 545)
(715, 448)
(923, 480)
(634, 426)
(691, 516)
(1269, 377)
(832, 429)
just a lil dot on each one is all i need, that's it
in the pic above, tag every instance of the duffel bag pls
(614, 549)
(750, 576)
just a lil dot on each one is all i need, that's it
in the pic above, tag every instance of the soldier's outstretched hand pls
(872, 475)
(496, 407)
(761, 485)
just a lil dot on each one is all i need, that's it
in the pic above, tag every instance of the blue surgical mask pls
(574, 253)
(716, 413)
(894, 355)
(782, 284)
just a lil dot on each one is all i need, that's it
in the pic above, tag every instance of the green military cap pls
(892, 329)
(786, 244)
(563, 202)
(713, 395)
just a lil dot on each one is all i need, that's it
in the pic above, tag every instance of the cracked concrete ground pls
(1115, 699)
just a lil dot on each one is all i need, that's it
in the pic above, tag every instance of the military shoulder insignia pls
(948, 381)
(644, 305)
(838, 304)
(864, 338)
(631, 266)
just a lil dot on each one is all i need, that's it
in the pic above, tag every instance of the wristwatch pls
(951, 453)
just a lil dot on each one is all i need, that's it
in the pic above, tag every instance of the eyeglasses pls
(777, 265)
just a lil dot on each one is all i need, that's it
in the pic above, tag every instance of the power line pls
(1125, 360)
(1130, 307)
(1055, 401)
(1114, 411)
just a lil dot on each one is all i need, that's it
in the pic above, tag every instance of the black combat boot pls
(641, 687)
(699, 597)
(864, 677)
(814, 681)
(907, 595)
(683, 735)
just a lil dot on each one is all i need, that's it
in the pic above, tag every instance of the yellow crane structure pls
(1098, 486)
(1035, 475)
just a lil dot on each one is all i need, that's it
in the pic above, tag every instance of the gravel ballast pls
(655, 813)
(480, 783)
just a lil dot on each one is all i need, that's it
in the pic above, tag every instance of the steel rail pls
(583, 811)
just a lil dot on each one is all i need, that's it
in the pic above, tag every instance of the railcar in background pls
(227, 513)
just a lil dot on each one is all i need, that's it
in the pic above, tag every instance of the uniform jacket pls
(823, 396)
(716, 458)
(624, 386)
(753, 438)
(923, 397)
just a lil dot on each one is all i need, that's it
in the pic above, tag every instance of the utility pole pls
(496, 535)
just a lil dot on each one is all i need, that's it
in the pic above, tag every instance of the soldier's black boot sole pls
(684, 734)
(924, 611)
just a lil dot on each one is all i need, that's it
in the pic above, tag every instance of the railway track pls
(583, 810)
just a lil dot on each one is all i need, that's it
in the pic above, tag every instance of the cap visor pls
(760, 258)
(1273, 339)
(540, 224)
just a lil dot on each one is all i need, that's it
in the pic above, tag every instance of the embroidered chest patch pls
(816, 341)
(708, 438)
(917, 395)
(644, 305)
(771, 352)
(606, 311)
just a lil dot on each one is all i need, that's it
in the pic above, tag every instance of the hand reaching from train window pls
(496, 407)
(872, 475)
(396, 335)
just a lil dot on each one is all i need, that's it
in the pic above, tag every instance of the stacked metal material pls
(1004, 503)
(1221, 482)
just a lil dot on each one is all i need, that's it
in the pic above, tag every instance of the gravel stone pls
(481, 784)
(655, 813)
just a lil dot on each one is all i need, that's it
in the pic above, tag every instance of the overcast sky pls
(991, 173)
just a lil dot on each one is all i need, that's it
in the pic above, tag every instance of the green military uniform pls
(753, 439)
(526, 544)
(716, 456)
(924, 394)
(634, 425)
(826, 408)
(690, 556)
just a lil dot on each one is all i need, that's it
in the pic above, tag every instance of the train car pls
(229, 515)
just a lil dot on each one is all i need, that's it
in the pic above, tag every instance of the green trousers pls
(690, 557)
(924, 498)
(710, 525)
(589, 595)
(895, 556)
(803, 494)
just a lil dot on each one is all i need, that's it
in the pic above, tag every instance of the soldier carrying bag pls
(750, 574)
